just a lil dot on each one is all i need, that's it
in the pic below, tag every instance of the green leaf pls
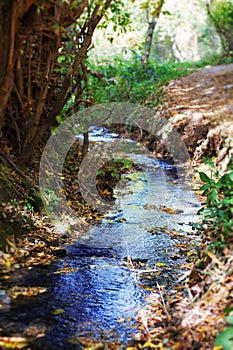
(205, 187)
(225, 339)
(165, 12)
(145, 5)
(229, 319)
(231, 176)
(205, 178)
(213, 195)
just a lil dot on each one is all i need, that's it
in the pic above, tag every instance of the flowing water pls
(101, 289)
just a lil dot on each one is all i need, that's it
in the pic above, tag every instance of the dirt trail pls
(200, 106)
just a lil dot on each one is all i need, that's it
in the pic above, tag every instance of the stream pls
(100, 296)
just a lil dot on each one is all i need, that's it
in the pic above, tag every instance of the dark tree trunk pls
(149, 38)
(85, 144)
(6, 74)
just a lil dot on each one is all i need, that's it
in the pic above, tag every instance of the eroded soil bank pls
(200, 107)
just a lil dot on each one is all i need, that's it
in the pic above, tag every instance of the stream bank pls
(95, 292)
(199, 106)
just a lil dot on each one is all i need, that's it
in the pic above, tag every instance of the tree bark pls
(150, 31)
(10, 13)
(149, 38)
(33, 137)
(6, 74)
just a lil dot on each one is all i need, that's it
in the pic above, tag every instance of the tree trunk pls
(34, 85)
(10, 13)
(149, 38)
(85, 144)
(6, 45)
(150, 31)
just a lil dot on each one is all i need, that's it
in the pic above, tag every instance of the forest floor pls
(190, 315)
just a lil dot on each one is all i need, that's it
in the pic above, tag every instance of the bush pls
(218, 209)
(129, 81)
(221, 15)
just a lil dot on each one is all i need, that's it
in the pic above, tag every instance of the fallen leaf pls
(57, 311)
(13, 342)
(160, 264)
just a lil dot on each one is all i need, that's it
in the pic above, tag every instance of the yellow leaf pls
(155, 13)
(146, 287)
(160, 264)
(57, 311)
(8, 264)
(145, 5)
(150, 345)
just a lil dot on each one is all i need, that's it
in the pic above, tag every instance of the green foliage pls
(118, 17)
(127, 80)
(221, 14)
(213, 60)
(109, 175)
(51, 198)
(225, 338)
(218, 209)
(115, 167)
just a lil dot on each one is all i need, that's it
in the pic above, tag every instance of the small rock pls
(60, 253)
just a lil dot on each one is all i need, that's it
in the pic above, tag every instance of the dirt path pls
(200, 106)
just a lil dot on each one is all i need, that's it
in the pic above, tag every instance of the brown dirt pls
(200, 106)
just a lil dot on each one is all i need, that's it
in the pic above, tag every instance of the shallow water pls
(101, 291)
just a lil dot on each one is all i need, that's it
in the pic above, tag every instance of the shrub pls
(221, 15)
(218, 209)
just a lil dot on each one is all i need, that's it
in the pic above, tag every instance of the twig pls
(138, 271)
(97, 75)
(161, 295)
(14, 166)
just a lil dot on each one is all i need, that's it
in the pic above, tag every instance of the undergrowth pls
(128, 80)
(218, 214)
(218, 208)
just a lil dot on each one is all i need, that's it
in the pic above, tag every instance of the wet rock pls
(5, 300)
(60, 253)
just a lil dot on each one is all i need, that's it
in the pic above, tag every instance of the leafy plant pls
(225, 338)
(110, 174)
(218, 209)
(128, 80)
(114, 167)
(220, 13)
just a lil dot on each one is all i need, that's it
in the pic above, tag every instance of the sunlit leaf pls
(13, 342)
(229, 319)
(160, 264)
(225, 339)
(57, 311)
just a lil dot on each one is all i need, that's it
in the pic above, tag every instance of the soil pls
(200, 107)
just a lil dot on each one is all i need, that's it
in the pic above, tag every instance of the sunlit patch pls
(16, 291)
(13, 342)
